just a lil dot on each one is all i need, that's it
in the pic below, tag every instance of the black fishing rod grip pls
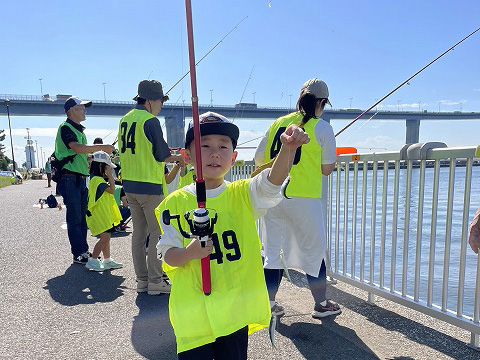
(201, 192)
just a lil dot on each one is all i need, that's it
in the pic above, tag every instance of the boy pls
(217, 326)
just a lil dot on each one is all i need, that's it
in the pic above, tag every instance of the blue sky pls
(362, 49)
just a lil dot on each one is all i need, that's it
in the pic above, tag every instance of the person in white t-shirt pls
(296, 226)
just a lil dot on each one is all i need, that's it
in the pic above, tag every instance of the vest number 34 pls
(229, 243)
(128, 137)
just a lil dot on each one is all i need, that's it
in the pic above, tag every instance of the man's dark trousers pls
(75, 197)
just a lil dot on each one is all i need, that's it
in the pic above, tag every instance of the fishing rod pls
(204, 56)
(199, 221)
(198, 62)
(405, 82)
(245, 89)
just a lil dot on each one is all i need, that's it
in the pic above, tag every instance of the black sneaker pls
(320, 311)
(82, 259)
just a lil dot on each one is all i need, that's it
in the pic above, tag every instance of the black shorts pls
(230, 347)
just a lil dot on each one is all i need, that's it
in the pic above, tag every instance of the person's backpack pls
(57, 165)
(52, 201)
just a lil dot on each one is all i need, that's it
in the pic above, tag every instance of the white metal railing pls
(422, 207)
(429, 203)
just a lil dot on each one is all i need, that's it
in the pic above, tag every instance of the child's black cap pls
(214, 124)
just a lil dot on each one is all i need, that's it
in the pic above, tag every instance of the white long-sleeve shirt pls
(264, 195)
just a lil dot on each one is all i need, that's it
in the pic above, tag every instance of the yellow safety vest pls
(188, 178)
(306, 173)
(104, 212)
(136, 157)
(239, 294)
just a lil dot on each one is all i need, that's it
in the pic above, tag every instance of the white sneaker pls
(94, 264)
(112, 264)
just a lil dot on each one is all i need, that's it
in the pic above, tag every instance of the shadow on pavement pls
(81, 286)
(152, 334)
(326, 340)
(392, 321)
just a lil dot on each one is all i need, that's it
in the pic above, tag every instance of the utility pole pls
(11, 139)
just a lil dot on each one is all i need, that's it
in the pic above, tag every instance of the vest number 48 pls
(128, 138)
(229, 243)
(277, 144)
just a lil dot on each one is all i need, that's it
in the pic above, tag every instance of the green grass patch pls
(4, 181)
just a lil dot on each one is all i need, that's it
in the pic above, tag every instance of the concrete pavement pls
(53, 309)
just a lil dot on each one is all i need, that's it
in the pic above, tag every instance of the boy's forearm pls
(281, 166)
(177, 256)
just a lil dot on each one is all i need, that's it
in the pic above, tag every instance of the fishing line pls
(204, 56)
(365, 123)
(405, 82)
(243, 94)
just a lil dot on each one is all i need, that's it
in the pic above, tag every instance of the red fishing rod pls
(405, 82)
(199, 221)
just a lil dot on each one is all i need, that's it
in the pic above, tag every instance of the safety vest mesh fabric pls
(136, 156)
(104, 212)
(306, 175)
(80, 162)
(239, 296)
(188, 178)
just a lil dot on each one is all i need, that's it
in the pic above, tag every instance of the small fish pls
(271, 329)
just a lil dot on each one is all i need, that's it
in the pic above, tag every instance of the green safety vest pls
(80, 162)
(104, 212)
(239, 294)
(136, 156)
(118, 190)
(188, 178)
(306, 173)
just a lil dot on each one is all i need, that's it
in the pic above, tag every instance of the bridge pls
(175, 114)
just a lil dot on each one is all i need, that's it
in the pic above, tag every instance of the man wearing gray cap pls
(71, 147)
(143, 153)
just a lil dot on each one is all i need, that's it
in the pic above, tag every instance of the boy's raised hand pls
(294, 137)
(196, 251)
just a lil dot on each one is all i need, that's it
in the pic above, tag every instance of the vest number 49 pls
(277, 144)
(230, 243)
(128, 138)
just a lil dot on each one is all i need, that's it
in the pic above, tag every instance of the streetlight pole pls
(350, 103)
(398, 105)
(290, 107)
(254, 96)
(11, 139)
(41, 88)
(439, 105)
(211, 97)
(41, 154)
(104, 97)
(419, 103)
(376, 107)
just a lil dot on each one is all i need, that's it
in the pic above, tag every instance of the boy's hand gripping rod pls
(201, 226)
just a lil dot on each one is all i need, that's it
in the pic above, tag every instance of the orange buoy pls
(346, 150)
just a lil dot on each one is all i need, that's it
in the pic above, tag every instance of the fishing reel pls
(199, 220)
